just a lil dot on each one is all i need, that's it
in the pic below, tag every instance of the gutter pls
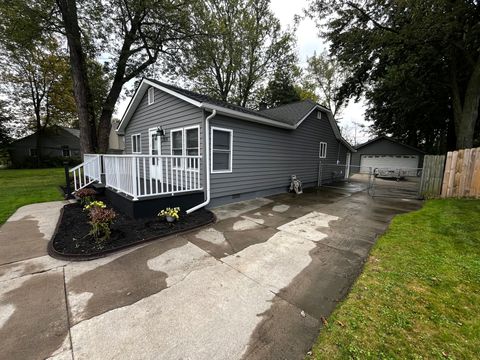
(207, 162)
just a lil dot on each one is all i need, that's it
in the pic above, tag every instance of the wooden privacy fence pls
(432, 175)
(457, 175)
(462, 174)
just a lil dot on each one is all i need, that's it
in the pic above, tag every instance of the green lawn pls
(419, 294)
(28, 186)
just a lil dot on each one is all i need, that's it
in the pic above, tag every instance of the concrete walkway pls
(255, 285)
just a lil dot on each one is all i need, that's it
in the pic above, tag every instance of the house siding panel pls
(52, 143)
(265, 157)
(167, 111)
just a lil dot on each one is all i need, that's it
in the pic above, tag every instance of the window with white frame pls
(151, 95)
(221, 150)
(319, 115)
(322, 153)
(136, 144)
(185, 142)
(192, 141)
(176, 146)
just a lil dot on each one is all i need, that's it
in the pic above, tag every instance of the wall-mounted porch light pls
(160, 131)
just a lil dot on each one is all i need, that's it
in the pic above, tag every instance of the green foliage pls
(326, 75)
(281, 89)
(417, 62)
(86, 196)
(95, 204)
(171, 212)
(101, 220)
(240, 45)
(419, 294)
(23, 187)
(35, 71)
(5, 121)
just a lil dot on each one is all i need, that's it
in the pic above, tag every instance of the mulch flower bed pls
(72, 239)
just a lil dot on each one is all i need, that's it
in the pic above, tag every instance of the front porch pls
(141, 185)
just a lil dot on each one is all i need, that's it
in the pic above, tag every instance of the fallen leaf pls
(340, 323)
(324, 321)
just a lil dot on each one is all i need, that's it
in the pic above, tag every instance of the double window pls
(185, 142)
(322, 152)
(136, 144)
(221, 150)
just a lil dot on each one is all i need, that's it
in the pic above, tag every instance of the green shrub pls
(101, 220)
(86, 196)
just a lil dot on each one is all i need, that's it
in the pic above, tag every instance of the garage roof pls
(383, 137)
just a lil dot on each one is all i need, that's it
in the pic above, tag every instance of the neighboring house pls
(57, 142)
(116, 143)
(181, 143)
(385, 152)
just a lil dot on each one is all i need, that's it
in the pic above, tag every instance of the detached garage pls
(385, 152)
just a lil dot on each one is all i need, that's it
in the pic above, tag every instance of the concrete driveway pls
(255, 285)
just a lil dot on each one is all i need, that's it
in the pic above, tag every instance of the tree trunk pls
(466, 113)
(81, 87)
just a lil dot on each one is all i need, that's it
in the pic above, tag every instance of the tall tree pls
(281, 89)
(35, 74)
(389, 45)
(134, 34)
(5, 119)
(243, 45)
(326, 74)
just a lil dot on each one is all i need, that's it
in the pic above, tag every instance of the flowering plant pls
(86, 195)
(100, 221)
(170, 212)
(95, 204)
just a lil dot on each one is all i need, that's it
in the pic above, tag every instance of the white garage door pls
(388, 161)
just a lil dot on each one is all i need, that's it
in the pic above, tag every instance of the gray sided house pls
(57, 142)
(385, 152)
(232, 153)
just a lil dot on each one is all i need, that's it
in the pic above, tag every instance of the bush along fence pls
(457, 175)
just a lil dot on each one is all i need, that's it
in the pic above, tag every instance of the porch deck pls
(141, 176)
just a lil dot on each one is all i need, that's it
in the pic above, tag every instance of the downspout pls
(207, 163)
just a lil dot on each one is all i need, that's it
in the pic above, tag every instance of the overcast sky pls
(308, 42)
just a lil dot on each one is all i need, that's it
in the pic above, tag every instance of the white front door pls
(155, 145)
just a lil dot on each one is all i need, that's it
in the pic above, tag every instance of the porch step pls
(98, 187)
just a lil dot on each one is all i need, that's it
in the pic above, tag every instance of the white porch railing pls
(149, 175)
(87, 172)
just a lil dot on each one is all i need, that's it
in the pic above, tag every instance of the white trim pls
(139, 143)
(151, 95)
(172, 92)
(324, 156)
(150, 131)
(319, 115)
(185, 137)
(207, 163)
(245, 116)
(135, 101)
(211, 150)
(174, 164)
(171, 140)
